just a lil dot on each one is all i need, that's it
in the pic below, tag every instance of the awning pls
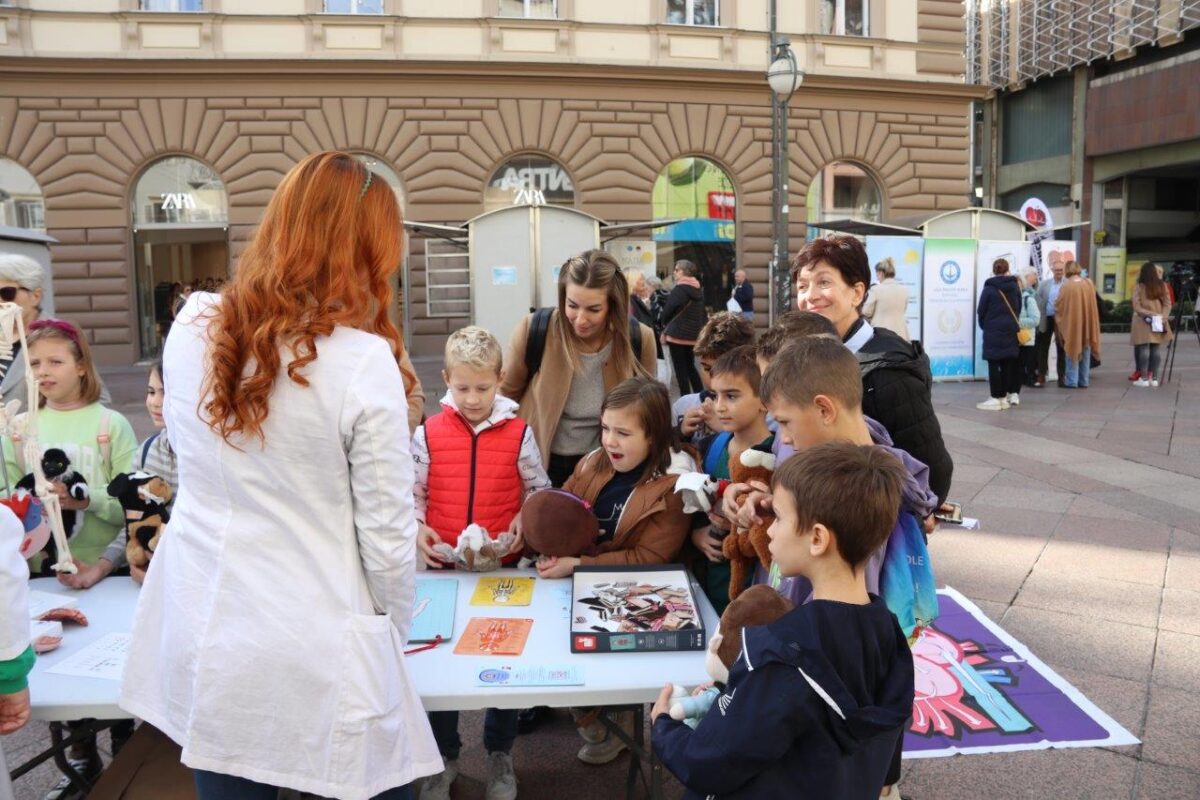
(451, 233)
(25, 235)
(615, 231)
(862, 227)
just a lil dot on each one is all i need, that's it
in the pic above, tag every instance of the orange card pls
(494, 636)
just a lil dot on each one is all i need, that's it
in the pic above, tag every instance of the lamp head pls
(784, 74)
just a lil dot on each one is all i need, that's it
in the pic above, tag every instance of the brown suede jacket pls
(653, 526)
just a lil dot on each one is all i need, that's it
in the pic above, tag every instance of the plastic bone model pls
(475, 551)
(12, 331)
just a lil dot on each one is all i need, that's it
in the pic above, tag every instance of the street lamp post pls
(784, 77)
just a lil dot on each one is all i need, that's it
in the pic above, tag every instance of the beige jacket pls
(416, 395)
(1140, 331)
(543, 398)
(887, 307)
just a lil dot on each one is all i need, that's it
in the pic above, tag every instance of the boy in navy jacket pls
(817, 701)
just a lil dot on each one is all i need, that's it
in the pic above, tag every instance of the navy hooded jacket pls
(998, 323)
(813, 709)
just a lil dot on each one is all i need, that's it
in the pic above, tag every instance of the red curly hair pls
(328, 246)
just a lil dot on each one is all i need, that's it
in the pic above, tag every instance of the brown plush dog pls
(145, 498)
(742, 547)
(555, 522)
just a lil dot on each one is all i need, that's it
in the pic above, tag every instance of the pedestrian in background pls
(1047, 297)
(1030, 317)
(887, 301)
(743, 294)
(684, 316)
(997, 314)
(1151, 323)
(1077, 326)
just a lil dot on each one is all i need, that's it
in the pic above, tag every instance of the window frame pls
(839, 20)
(689, 14)
(526, 6)
(354, 13)
(144, 6)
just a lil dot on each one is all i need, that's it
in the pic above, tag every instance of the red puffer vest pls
(472, 477)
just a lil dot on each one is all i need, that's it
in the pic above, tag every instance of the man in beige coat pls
(887, 302)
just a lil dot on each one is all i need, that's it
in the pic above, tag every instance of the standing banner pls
(905, 252)
(1017, 256)
(949, 308)
(1055, 252)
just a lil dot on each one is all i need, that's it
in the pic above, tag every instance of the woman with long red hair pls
(270, 631)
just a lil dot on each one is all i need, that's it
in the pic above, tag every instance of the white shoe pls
(1142, 382)
(1154, 381)
(1014, 399)
(437, 787)
(992, 404)
(502, 781)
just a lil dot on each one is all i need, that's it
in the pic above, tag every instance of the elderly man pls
(1047, 297)
(743, 293)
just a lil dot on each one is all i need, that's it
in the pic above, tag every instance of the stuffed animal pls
(758, 605)
(556, 523)
(144, 498)
(57, 467)
(742, 547)
(28, 510)
(475, 551)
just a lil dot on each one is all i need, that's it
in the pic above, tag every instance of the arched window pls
(701, 193)
(529, 173)
(387, 173)
(840, 190)
(21, 203)
(180, 240)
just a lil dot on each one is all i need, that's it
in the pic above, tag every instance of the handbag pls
(1024, 335)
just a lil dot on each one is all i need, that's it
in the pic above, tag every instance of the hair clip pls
(366, 184)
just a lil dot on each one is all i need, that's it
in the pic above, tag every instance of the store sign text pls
(180, 201)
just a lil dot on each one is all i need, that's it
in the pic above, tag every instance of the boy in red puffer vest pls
(475, 462)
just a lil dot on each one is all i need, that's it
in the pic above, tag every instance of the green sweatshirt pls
(75, 433)
(13, 673)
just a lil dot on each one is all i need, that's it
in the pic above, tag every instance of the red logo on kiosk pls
(722, 205)
(585, 642)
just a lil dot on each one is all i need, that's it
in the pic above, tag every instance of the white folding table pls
(445, 681)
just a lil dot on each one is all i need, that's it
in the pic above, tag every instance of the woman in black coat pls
(684, 316)
(999, 310)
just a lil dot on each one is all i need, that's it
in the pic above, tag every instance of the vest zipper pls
(471, 491)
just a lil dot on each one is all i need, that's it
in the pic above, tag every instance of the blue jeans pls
(216, 786)
(1078, 373)
(499, 731)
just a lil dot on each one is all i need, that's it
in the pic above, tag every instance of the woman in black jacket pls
(831, 276)
(684, 316)
(998, 313)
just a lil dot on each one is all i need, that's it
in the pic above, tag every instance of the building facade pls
(154, 131)
(1094, 113)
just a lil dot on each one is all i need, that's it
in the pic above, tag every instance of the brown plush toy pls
(145, 498)
(555, 522)
(740, 548)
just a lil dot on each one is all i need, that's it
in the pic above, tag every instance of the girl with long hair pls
(269, 635)
(1151, 323)
(586, 351)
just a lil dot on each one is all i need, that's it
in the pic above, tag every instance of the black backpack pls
(539, 326)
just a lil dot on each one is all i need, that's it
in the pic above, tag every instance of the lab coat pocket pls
(372, 675)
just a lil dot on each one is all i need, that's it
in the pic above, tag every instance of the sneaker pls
(1136, 374)
(1154, 381)
(992, 404)
(63, 790)
(1014, 399)
(502, 781)
(602, 752)
(1141, 382)
(437, 787)
(594, 732)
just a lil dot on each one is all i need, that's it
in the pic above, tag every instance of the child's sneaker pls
(437, 787)
(992, 404)
(89, 768)
(502, 781)
(608, 748)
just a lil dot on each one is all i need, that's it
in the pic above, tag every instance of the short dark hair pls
(1000, 266)
(722, 333)
(853, 490)
(844, 253)
(689, 269)
(793, 325)
(739, 362)
(812, 366)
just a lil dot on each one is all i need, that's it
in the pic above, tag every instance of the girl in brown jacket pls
(1150, 299)
(642, 520)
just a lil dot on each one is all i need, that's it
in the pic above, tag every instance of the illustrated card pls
(503, 592)
(494, 636)
(433, 610)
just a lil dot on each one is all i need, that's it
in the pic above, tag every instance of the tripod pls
(1184, 292)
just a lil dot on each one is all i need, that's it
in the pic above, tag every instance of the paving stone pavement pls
(1089, 553)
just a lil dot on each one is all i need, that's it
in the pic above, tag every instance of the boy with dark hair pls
(741, 418)
(817, 701)
(791, 327)
(723, 332)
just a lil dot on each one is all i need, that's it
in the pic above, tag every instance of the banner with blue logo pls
(1017, 256)
(948, 329)
(905, 253)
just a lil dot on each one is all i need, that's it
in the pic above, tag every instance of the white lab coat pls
(269, 636)
(14, 588)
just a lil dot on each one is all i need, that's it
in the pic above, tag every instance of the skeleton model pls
(12, 332)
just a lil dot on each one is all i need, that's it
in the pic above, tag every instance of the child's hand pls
(663, 704)
(557, 567)
(426, 538)
(719, 520)
(742, 502)
(87, 576)
(707, 544)
(14, 711)
(138, 574)
(930, 524)
(692, 420)
(518, 542)
(66, 501)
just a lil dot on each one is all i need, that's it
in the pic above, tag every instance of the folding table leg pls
(60, 744)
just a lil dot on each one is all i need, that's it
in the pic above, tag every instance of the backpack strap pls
(535, 345)
(720, 442)
(104, 442)
(146, 447)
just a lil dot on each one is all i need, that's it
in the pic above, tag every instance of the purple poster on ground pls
(979, 690)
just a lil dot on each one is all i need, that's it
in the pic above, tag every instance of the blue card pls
(433, 609)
